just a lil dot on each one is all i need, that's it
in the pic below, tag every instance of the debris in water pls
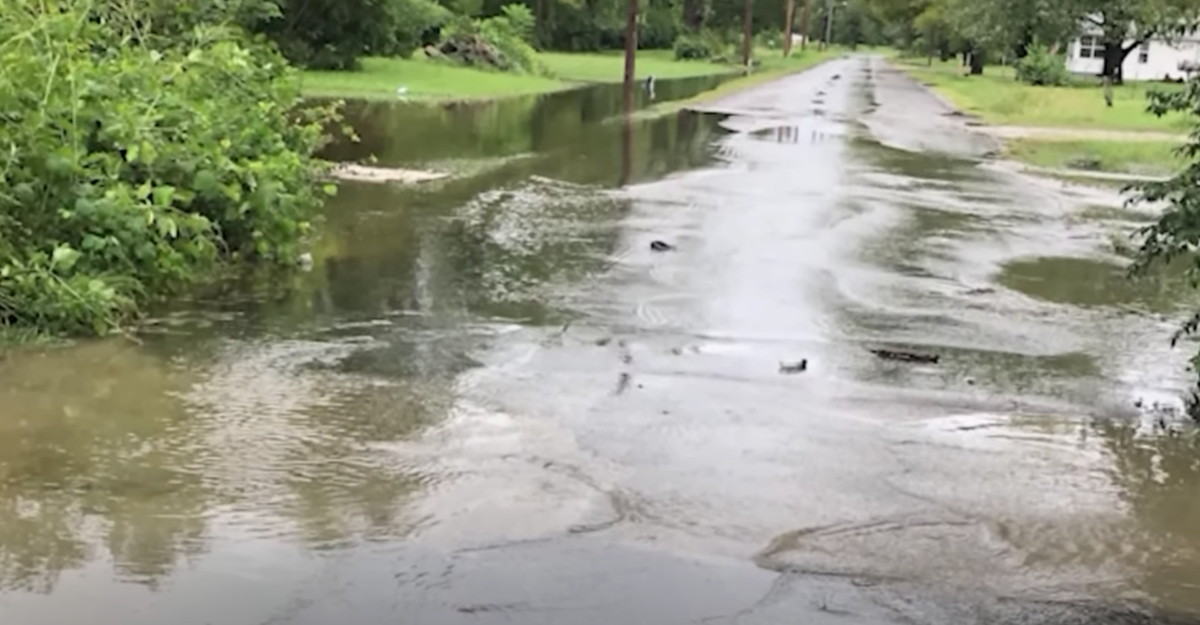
(661, 246)
(622, 383)
(793, 366)
(983, 290)
(603, 341)
(364, 173)
(906, 356)
(305, 261)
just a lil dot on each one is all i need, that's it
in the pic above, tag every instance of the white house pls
(1154, 60)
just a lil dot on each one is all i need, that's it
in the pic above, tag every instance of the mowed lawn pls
(420, 78)
(997, 97)
(1145, 158)
(610, 66)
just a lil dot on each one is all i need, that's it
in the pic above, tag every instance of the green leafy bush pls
(500, 42)
(128, 171)
(1040, 67)
(409, 20)
(334, 34)
(703, 45)
(660, 26)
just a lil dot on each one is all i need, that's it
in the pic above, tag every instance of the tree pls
(126, 176)
(1175, 236)
(333, 34)
(788, 20)
(1123, 25)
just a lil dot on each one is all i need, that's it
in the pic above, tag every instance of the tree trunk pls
(788, 17)
(1114, 58)
(976, 62)
(1022, 48)
(693, 14)
(804, 24)
(630, 52)
(747, 34)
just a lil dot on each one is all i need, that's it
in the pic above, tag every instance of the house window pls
(1144, 53)
(1090, 47)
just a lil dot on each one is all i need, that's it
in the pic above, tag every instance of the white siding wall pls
(1161, 59)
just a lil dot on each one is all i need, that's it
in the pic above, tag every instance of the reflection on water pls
(274, 417)
(1159, 479)
(1145, 542)
(399, 133)
(257, 409)
(1089, 282)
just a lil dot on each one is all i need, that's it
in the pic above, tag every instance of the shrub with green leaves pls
(1041, 67)
(1174, 239)
(503, 41)
(697, 46)
(129, 170)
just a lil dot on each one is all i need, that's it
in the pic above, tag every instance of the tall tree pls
(804, 23)
(789, 18)
(747, 31)
(1123, 25)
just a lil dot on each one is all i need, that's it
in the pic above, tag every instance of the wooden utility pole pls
(789, 17)
(747, 35)
(804, 24)
(828, 24)
(630, 53)
(626, 150)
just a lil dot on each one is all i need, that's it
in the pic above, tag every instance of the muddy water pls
(491, 402)
(453, 134)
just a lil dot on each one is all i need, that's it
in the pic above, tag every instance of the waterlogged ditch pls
(494, 374)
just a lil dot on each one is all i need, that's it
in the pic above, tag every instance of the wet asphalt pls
(651, 460)
(649, 463)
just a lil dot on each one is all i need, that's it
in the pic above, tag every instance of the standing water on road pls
(492, 402)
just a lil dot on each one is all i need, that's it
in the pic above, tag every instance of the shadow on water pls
(579, 120)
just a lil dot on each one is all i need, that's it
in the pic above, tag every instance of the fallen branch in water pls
(887, 354)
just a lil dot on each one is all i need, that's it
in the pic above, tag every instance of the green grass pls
(1147, 158)
(610, 66)
(996, 97)
(379, 79)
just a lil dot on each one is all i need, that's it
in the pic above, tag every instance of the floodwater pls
(456, 134)
(490, 402)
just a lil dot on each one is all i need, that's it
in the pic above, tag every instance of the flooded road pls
(491, 402)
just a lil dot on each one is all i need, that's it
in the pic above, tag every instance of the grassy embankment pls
(423, 79)
(996, 98)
